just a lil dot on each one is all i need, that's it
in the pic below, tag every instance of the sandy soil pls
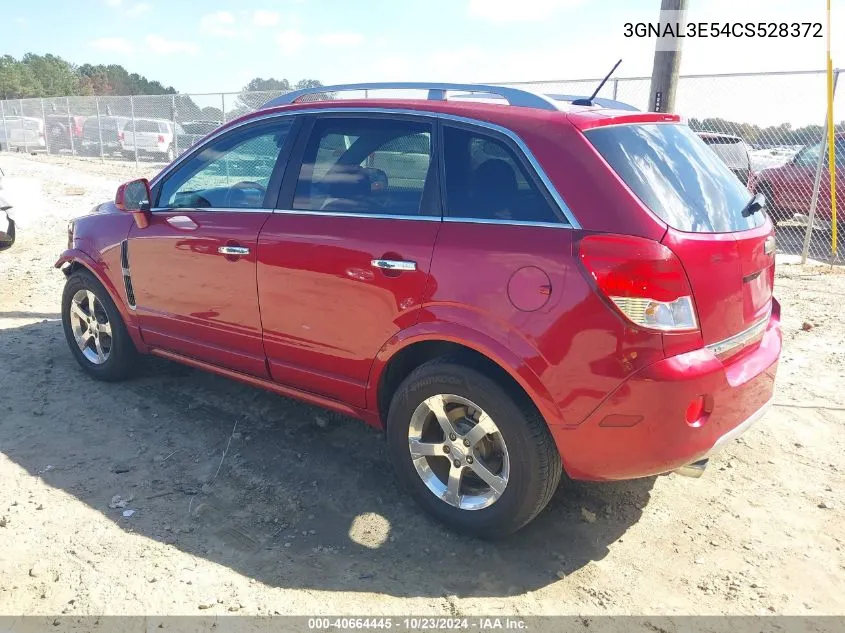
(245, 502)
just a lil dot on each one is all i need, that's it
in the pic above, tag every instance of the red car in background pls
(511, 290)
(789, 187)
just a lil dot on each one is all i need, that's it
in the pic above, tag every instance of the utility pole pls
(667, 57)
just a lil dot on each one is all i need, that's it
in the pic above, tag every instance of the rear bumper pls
(652, 404)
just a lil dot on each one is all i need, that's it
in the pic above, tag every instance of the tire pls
(533, 468)
(118, 349)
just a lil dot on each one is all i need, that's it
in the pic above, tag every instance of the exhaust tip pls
(695, 469)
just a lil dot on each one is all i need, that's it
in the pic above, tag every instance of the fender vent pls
(127, 277)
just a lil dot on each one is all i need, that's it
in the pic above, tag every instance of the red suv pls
(789, 187)
(511, 290)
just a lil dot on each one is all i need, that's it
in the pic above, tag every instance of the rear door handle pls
(233, 250)
(393, 264)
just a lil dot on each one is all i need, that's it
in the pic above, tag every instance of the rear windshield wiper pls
(757, 203)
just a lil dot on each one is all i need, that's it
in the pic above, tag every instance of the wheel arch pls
(74, 260)
(398, 359)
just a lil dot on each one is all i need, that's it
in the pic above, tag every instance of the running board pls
(269, 385)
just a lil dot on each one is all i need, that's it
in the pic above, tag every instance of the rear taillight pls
(643, 279)
(161, 138)
(121, 136)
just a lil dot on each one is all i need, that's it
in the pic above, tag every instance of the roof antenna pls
(589, 100)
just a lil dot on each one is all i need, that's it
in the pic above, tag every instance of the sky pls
(217, 45)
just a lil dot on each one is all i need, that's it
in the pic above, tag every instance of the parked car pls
(789, 187)
(24, 134)
(150, 137)
(732, 150)
(102, 131)
(509, 290)
(194, 131)
(64, 132)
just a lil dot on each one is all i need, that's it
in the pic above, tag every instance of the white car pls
(151, 137)
(732, 150)
(23, 133)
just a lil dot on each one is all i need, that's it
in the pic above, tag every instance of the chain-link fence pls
(768, 128)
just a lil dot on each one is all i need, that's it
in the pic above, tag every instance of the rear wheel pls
(474, 456)
(94, 329)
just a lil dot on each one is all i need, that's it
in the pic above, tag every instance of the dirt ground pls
(245, 502)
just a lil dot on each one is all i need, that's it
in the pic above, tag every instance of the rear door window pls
(674, 174)
(367, 166)
(486, 180)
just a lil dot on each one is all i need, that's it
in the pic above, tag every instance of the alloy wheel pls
(458, 452)
(91, 327)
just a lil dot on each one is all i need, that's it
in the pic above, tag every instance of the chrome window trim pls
(185, 210)
(424, 218)
(346, 214)
(548, 225)
(738, 340)
(513, 136)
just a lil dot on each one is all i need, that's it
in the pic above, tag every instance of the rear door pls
(344, 260)
(727, 252)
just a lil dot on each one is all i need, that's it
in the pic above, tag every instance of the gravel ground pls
(245, 502)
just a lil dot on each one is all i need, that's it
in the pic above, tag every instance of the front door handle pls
(393, 264)
(233, 250)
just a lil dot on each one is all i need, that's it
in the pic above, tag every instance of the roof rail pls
(436, 92)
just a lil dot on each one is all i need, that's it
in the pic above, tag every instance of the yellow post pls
(831, 146)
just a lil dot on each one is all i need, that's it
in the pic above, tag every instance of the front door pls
(193, 269)
(343, 264)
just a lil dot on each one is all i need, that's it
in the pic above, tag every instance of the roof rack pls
(436, 92)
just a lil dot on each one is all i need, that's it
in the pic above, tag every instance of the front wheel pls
(474, 456)
(94, 329)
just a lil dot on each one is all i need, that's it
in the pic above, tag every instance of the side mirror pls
(134, 197)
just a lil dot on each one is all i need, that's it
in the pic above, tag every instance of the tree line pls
(51, 76)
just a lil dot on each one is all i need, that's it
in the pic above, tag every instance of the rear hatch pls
(145, 136)
(726, 251)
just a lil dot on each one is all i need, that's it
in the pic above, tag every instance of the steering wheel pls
(243, 186)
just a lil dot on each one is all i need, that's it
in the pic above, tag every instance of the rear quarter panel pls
(568, 353)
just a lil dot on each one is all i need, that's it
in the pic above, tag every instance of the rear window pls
(143, 126)
(677, 176)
